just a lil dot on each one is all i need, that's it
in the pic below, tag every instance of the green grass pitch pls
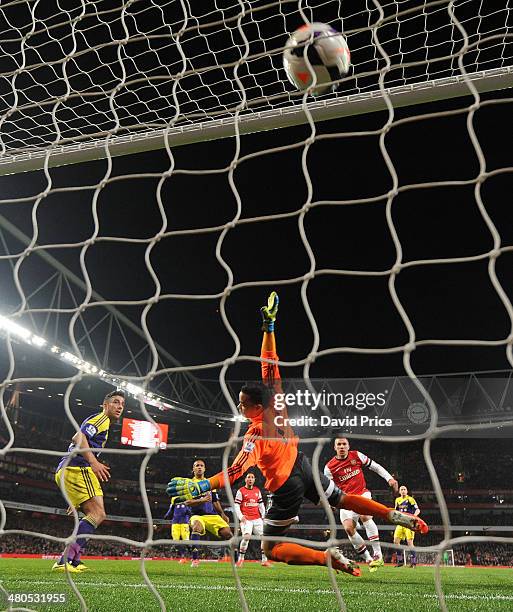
(118, 585)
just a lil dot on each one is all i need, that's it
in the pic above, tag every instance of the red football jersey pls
(249, 501)
(347, 473)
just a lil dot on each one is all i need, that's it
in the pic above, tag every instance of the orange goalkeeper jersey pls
(271, 448)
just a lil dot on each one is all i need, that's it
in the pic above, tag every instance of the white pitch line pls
(212, 587)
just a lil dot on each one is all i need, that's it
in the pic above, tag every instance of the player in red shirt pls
(250, 510)
(288, 473)
(346, 471)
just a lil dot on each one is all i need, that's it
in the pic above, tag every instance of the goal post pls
(128, 83)
(429, 558)
(258, 121)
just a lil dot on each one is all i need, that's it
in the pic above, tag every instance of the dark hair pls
(116, 393)
(258, 393)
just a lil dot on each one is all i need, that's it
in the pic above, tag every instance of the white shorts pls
(349, 514)
(252, 527)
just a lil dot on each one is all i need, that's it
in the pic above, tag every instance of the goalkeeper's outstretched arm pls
(186, 488)
(270, 371)
(253, 444)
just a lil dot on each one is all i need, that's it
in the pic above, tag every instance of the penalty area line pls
(263, 589)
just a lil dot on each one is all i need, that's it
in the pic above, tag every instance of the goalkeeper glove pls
(269, 312)
(186, 488)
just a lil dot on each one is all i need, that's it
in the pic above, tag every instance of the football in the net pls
(327, 52)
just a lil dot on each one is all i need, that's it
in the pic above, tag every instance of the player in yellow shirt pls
(207, 513)
(405, 503)
(81, 473)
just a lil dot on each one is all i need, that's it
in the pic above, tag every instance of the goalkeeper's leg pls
(362, 505)
(294, 554)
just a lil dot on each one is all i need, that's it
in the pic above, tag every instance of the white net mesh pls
(78, 73)
(88, 73)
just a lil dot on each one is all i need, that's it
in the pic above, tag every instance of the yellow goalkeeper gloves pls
(269, 312)
(186, 488)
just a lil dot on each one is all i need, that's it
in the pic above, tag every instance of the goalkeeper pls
(287, 471)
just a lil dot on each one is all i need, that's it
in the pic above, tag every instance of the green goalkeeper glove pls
(186, 488)
(269, 312)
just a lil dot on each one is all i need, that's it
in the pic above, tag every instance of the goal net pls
(144, 75)
(128, 261)
(428, 558)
